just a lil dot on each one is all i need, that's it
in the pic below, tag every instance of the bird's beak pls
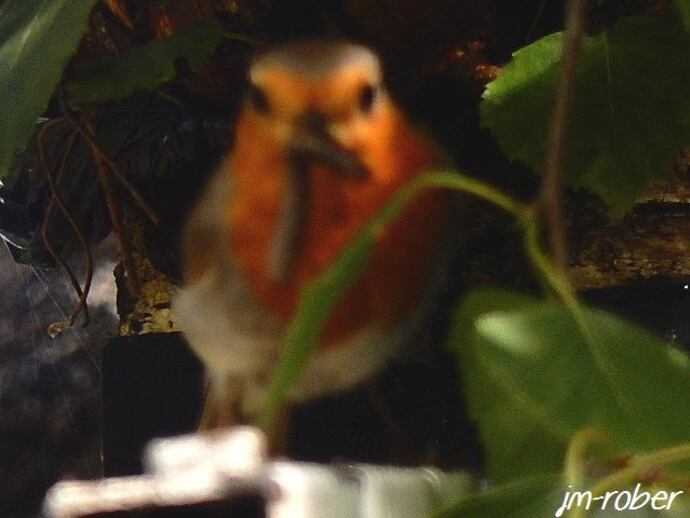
(311, 144)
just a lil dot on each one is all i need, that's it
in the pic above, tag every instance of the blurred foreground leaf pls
(144, 68)
(518, 441)
(631, 114)
(552, 378)
(37, 39)
(528, 498)
(320, 296)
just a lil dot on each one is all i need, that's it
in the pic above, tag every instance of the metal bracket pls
(223, 467)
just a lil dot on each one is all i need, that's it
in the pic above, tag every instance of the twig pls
(104, 178)
(129, 187)
(120, 13)
(83, 241)
(552, 191)
(639, 466)
(402, 446)
(56, 199)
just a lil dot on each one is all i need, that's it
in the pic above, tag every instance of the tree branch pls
(551, 197)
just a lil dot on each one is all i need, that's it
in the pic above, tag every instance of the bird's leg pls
(220, 404)
(278, 434)
(208, 419)
(403, 450)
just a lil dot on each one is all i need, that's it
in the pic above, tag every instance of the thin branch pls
(120, 13)
(56, 199)
(84, 243)
(636, 469)
(129, 187)
(101, 163)
(552, 190)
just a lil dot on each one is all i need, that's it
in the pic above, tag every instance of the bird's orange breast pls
(398, 273)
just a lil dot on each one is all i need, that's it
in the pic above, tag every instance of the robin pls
(319, 148)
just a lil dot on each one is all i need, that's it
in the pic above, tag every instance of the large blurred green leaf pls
(320, 296)
(631, 112)
(528, 498)
(519, 441)
(144, 68)
(316, 303)
(37, 39)
(613, 376)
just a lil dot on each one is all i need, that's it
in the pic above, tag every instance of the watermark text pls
(618, 500)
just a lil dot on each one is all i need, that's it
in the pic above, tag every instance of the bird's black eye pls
(367, 96)
(258, 99)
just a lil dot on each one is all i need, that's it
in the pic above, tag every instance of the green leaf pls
(631, 112)
(144, 68)
(526, 498)
(518, 441)
(316, 303)
(37, 39)
(608, 374)
(320, 296)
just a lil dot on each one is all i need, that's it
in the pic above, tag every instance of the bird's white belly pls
(237, 340)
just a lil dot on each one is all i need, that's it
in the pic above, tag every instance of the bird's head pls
(320, 99)
(323, 103)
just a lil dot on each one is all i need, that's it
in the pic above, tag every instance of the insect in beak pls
(311, 144)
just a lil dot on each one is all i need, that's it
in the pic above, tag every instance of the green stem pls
(303, 333)
(319, 296)
(554, 277)
(576, 456)
(638, 467)
(461, 183)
